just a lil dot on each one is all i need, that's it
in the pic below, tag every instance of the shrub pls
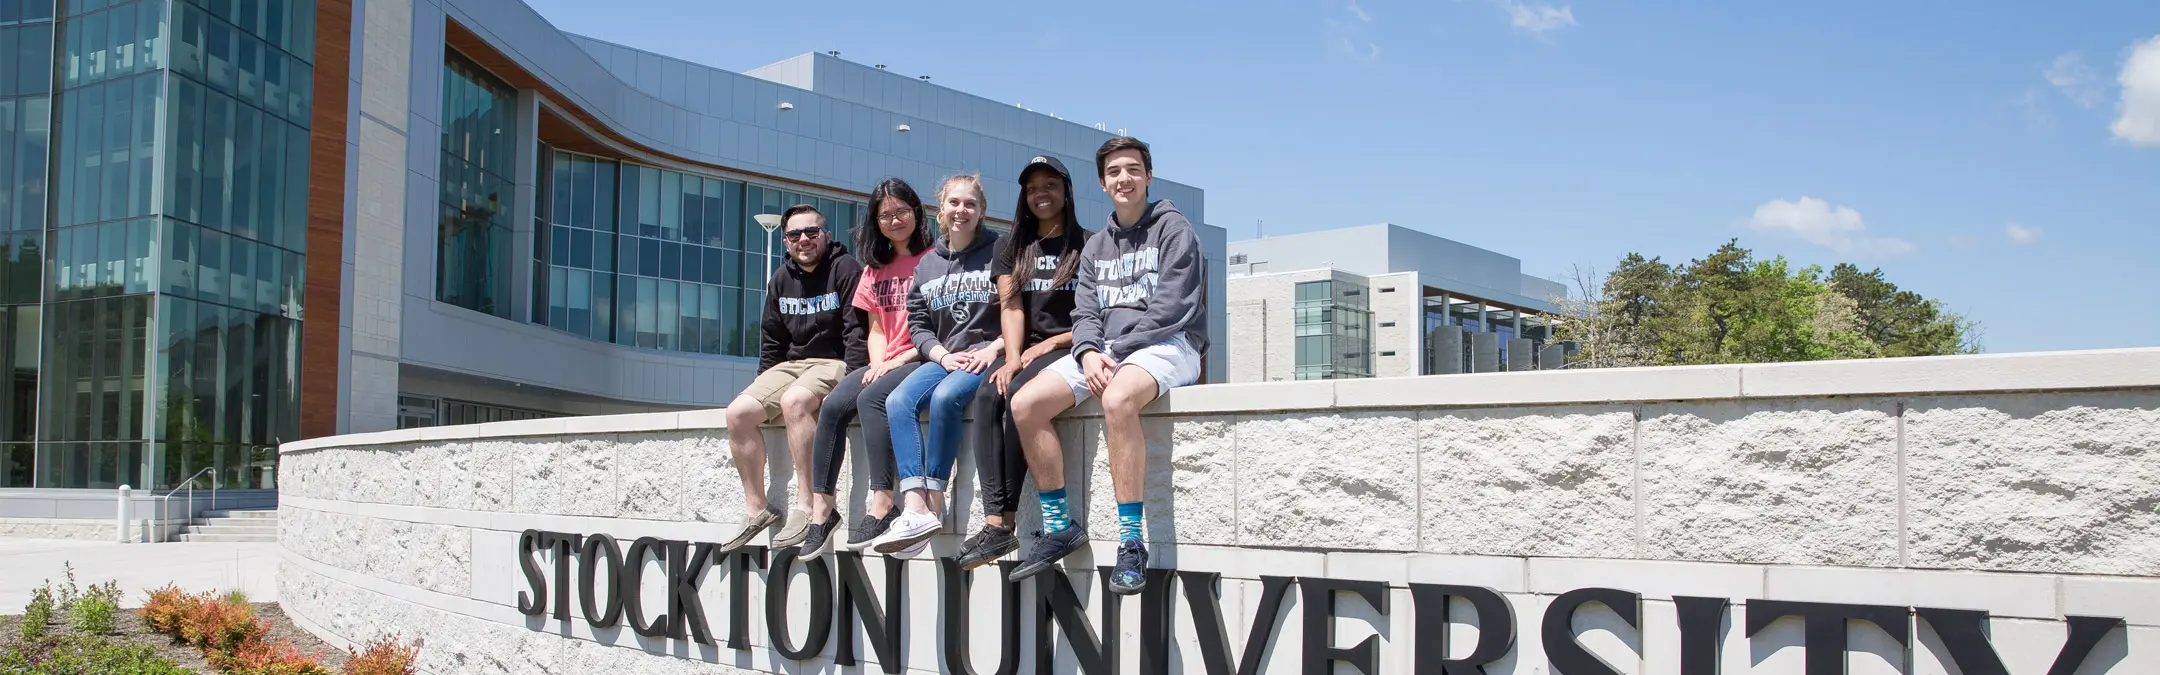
(37, 614)
(86, 655)
(386, 656)
(167, 609)
(93, 612)
(256, 657)
(236, 595)
(220, 626)
(68, 592)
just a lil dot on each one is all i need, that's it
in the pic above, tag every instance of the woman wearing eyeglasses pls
(892, 242)
(953, 314)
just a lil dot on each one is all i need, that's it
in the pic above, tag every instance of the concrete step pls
(253, 514)
(227, 528)
(245, 522)
(230, 538)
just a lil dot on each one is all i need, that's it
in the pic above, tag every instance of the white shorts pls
(1174, 364)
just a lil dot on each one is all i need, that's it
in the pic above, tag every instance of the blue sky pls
(2003, 156)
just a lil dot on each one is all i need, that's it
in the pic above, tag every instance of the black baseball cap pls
(1045, 161)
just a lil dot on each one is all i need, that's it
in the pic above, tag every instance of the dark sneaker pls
(987, 545)
(751, 527)
(818, 540)
(1051, 547)
(1130, 575)
(868, 529)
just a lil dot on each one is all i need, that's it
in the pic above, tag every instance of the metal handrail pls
(165, 502)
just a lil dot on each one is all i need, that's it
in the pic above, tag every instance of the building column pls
(523, 206)
(1484, 321)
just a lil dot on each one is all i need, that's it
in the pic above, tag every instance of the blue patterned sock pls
(1053, 505)
(1129, 518)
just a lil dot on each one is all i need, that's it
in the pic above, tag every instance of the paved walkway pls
(25, 564)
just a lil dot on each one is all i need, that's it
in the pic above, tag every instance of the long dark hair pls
(1018, 252)
(871, 240)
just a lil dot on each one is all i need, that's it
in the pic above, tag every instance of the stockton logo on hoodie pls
(810, 305)
(1127, 280)
(959, 293)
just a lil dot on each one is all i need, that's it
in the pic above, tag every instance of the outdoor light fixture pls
(784, 105)
(903, 129)
(769, 221)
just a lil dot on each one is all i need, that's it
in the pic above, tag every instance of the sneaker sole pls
(1031, 569)
(807, 555)
(899, 544)
(988, 558)
(748, 533)
(1125, 590)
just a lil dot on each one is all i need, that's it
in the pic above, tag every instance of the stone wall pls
(2026, 486)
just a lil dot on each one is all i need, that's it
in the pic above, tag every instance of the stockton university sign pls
(841, 594)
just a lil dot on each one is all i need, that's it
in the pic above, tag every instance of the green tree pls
(1730, 307)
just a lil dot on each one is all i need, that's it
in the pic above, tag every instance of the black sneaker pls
(867, 530)
(818, 541)
(1051, 547)
(986, 546)
(1130, 575)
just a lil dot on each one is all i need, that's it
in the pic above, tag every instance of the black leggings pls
(1000, 468)
(832, 423)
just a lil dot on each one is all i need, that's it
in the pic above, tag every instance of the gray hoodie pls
(954, 301)
(1141, 285)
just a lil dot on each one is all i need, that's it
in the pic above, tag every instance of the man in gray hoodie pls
(1139, 329)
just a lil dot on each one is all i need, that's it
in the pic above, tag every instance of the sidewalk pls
(25, 564)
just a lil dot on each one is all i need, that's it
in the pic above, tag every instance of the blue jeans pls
(946, 396)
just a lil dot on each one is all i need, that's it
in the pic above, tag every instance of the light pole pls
(769, 221)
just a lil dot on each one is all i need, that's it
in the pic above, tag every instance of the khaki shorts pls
(815, 375)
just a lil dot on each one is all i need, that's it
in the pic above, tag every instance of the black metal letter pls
(1964, 633)
(602, 604)
(1203, 595)
(739, 563)
(1319, 598)
(535, 602)
(1157, 611)
(1496, 628)
(883, 626)
(561, 546)
(954, 583)
(633, 581)
(1057, 601)
(685, 569)
(1701, 621)
(1825, 627)
(1567, 656)
(776, 605)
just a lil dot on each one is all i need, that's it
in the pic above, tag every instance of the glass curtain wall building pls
(659, 259)
(1333, 325)
(152, 292)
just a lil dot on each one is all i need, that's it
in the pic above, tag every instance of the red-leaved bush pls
(386, 656)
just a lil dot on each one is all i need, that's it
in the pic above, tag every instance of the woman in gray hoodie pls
(953, 318)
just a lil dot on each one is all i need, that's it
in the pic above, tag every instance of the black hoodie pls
(954, 301)
(808, 316)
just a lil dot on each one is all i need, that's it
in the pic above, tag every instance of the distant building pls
(1381, 301)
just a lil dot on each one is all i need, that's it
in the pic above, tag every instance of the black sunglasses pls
(792, 235)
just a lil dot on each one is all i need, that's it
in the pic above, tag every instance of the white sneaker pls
(910, 530)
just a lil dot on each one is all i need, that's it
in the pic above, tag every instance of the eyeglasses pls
(806, 233)
(890, 217)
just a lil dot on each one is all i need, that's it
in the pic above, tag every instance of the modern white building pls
(1382, 301)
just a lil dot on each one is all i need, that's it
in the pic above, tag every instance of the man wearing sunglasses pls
(812, 338)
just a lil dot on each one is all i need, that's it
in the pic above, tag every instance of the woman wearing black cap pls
(1035, 270)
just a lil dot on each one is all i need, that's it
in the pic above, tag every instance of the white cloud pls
(2022, 235)
(2139, 112)
(1815, 221)
(1346, 33)
(2075, 80)
(1538, 17)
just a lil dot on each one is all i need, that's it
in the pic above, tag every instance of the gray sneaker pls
(796, 529)
(751, 528)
